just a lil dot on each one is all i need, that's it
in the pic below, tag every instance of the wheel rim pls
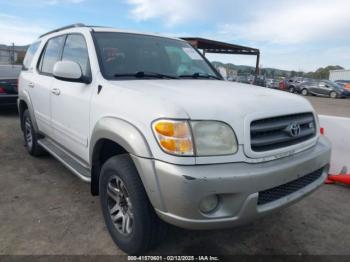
(333, 94)
(304, 92)
(291, 90)
(28, 133)
(119, 206)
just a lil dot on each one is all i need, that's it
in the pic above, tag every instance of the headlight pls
(213, 138)
(210, 138)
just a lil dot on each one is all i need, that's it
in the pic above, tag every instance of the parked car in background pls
(282, 84)
(323, 88)
(269, 82)
(8, 84)
(272, 83)
(344, 83)
(246, 79)
(292, 84)
(260, 80)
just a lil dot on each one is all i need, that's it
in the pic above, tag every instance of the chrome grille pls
(282, 131)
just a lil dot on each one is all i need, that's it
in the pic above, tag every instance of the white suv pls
(161, 137)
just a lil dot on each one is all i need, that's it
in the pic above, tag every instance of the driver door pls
(323, 88)
(70, 101)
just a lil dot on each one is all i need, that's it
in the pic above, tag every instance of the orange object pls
(165, 128)
(342, 178)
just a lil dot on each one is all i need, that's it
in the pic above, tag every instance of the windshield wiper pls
(200, 75)
(143, 74)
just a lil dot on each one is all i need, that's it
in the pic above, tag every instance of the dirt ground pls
(44, 209)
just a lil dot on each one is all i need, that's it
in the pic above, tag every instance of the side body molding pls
(24, 96)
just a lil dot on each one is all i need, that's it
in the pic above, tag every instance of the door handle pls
(56, 91)
(31, 85)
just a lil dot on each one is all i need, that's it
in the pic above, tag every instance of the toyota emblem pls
(294, 129)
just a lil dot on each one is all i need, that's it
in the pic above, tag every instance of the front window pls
(124, 55)
(51, 54)
(75, 50)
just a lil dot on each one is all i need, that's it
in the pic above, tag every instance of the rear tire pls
(124, 202)
(333, 94)
(304, 92)
(291, 89)
(30, 136)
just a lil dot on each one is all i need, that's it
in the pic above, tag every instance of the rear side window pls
(29, 55)
(75, 50)
(51, 54)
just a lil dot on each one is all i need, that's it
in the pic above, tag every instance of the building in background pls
(10, 55)
(335, 75)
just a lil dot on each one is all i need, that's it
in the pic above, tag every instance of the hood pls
(212, 99)
(234, 103)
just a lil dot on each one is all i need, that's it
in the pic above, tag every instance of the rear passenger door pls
(70, 106)
(39, 87)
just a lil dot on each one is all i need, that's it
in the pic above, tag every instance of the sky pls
(291, 34)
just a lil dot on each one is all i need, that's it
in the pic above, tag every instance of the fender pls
(132, 140)
(24, 96)
(123, 133)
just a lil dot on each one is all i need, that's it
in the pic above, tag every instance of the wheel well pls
(22, 107)
(103, 150)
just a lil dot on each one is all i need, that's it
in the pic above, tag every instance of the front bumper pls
(181, 188)
(345, 94)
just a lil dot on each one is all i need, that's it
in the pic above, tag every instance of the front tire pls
(304, 92)
(129, 216)
(30, 136)
(333, 94)
(291, 89)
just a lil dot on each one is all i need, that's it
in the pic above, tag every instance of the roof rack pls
(63, 28)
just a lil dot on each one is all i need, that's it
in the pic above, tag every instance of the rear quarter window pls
(30, 55)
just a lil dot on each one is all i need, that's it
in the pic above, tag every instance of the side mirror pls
(68, 71)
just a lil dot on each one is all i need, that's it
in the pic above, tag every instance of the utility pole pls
(12, 57)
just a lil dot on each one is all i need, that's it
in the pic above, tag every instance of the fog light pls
(209, 203)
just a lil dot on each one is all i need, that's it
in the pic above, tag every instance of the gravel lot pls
(44, 209)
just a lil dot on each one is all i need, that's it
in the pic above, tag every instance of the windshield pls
(124, 55)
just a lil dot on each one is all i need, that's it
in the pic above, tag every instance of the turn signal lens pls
(165, 128)
(174, 136)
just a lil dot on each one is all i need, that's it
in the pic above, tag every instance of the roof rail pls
(63, 28)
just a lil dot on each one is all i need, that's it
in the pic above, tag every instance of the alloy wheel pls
(28, 133)
(119, 205)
